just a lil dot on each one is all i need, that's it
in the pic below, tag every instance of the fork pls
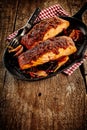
(21, 32)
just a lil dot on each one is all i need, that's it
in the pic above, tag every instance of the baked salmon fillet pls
(43, 30)
(48, 50)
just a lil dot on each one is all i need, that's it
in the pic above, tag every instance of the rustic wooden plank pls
(7, 16)
(54, 103)
(7, 19)
(32, 105)
(86, 113)
(85, 63)
(76, 5)
(84, 66)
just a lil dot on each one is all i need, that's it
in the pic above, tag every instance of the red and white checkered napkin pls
(55, 10)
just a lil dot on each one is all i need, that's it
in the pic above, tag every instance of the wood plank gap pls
(4, 79)
(16, 15)
(69, 7)
(82, 70)
(86, 112)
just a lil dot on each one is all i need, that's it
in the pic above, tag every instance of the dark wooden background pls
(58, 103)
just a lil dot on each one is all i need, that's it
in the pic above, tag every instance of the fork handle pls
(34, 16)
(29, 23)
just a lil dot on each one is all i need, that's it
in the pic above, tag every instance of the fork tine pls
(12, 44)
(16, 44)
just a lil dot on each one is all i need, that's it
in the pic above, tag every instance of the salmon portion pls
(43, 30)
(46, 51)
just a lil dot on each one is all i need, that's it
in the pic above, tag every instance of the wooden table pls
(57, 103)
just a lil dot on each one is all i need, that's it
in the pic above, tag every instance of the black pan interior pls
(76, 24)
(12, 66)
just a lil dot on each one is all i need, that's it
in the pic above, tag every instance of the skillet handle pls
(82, 49)
(79, 14)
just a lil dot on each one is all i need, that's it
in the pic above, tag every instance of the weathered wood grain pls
(57, 103)
(85, 63)
(77, 5)
(84, 66)
(7, 18)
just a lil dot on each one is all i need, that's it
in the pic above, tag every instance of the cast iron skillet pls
(11, 63)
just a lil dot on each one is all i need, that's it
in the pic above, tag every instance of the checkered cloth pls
(55, 10)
